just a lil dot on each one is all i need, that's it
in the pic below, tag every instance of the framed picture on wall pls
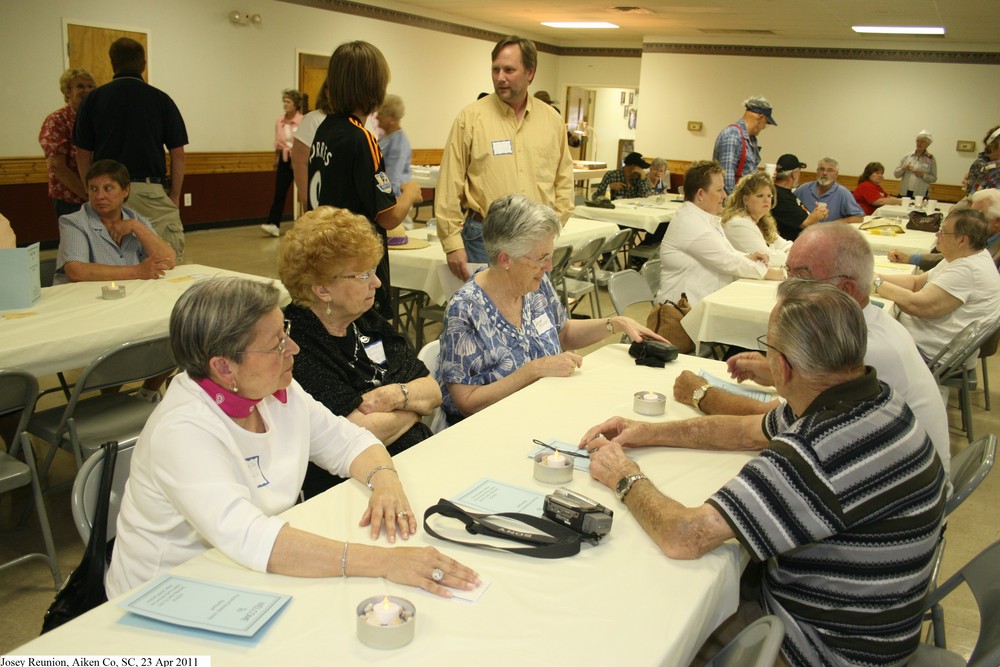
(631, 118)
(625, 146)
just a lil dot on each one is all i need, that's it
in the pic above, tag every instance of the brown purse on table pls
(665, 319)
(924, 222)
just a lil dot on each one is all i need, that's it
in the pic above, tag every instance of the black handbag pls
(84, 590)
(923, 222)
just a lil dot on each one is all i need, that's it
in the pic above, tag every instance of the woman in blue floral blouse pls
(506, 328)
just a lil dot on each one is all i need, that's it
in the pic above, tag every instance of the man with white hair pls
(736, 147)
(986, 202)
(918, 169)
(840, 203)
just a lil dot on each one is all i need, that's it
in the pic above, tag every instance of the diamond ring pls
(402, 513)
(437, 574)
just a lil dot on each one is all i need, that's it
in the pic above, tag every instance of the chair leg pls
(966, 407)
(43, 518)
(986, 384)
(937, 625)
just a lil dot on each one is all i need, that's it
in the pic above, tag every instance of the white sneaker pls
(271, 230)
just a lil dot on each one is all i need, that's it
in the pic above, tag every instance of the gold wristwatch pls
(699, 394)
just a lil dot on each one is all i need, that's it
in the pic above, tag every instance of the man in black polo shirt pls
(130, 121)
(791, 216)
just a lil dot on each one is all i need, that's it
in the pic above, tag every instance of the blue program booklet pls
(207, 606)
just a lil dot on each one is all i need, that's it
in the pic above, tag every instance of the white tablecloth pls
(738, 313)
(622, 602)
(71, 324)
(419, 269)
(899, 211)
(646, 213)
(425, 176)
(910, 241)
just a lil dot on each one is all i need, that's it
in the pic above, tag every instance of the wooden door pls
(312, 74)
(87, 47)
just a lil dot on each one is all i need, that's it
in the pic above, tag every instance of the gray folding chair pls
(614, 245)
(988, 349)
(87, 486)
(87, 422)
(968, 470)
(651, 272)
(582, 264)
(951, 366)
(626, 288)
(18, 391)
(980, 574)
(757, 645)
(435, 421)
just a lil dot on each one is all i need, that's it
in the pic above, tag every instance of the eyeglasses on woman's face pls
(365, 277)
(282, 342)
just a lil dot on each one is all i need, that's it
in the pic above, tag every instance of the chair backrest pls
(954, 357)
(435, 421)
(560, 263)
(989, 346)
(615, 244)
(980, 574)
(651, 272)
(969, 468)
(133, 361)
(18, 391)
(87, 484)
(587, 253)
(757, 645)
(626, 288)
(47, 271)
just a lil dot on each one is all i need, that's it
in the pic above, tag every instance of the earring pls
(328, 311)
(234, 389)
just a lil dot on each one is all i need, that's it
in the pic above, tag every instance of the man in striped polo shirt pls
(842, 509)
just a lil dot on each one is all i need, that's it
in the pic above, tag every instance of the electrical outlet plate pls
(694, 126)
(187, 198)
(966, 146)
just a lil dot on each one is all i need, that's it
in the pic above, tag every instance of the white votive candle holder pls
(112, 292)
(383, 633)
(650, 403)
(553, 470)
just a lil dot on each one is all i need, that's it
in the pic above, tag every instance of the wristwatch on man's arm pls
(626, 483)
(698, 395)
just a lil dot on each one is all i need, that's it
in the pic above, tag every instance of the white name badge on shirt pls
(504, 147)
(542, 323)
(376, 352)
(256, 474)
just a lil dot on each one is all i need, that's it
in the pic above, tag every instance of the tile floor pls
(27, 590)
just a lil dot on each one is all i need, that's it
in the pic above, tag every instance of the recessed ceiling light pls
(578, 24)
(899, 30)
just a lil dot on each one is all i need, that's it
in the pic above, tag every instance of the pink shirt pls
(284, 134)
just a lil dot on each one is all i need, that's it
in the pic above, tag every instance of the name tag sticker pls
(256, 474)
(542, 323)
(376, 352)
(504, 147)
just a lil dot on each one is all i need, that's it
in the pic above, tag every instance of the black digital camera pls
(587, 517)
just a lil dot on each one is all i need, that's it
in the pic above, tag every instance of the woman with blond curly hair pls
(351, 359)
(747, 220)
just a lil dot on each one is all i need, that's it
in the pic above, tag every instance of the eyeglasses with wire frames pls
(282, 341)
(365, 277)
(539, 261)
(763, 345)
(805, 273)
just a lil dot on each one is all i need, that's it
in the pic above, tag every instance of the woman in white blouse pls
(747, 219)
(696, 257)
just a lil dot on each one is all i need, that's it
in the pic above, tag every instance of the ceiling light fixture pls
(898, 30)
(579, 24)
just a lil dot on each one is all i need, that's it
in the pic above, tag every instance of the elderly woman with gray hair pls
(226, 450)
(917, 170)
(506, 327)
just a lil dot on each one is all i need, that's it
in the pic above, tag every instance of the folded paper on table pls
(205, 606)
(733, 388)
(489, 496)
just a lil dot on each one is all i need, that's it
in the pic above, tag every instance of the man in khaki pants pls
(130, 121)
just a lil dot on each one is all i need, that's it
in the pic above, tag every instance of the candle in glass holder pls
(556, 460)
(386, 612)
(113, 291)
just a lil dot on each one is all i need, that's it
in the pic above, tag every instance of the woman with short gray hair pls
(506, 327)
(225, 453)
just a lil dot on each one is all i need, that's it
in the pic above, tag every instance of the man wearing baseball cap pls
(627, 182)
(791, 216)
(736, 147)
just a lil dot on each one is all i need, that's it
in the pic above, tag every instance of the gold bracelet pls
(368, 480)
(343, 560)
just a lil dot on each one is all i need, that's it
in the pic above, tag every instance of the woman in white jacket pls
(747, 219)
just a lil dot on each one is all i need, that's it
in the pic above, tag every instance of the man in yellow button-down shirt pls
(504, 143)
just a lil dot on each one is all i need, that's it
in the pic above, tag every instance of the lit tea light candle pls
(113, 291)
(556, 459)
(386, 612)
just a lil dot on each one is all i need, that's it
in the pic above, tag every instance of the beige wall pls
(854, 111)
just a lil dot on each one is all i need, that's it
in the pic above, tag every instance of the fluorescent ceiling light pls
(579, 24)
(899, 30)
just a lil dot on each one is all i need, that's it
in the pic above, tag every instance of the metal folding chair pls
(951, 368)
(757, 645)
(87, 422)
(87, 486)
(18, 391)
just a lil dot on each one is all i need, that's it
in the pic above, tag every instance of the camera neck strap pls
(554, 540)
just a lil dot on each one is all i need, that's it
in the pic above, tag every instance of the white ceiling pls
(970, 24)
